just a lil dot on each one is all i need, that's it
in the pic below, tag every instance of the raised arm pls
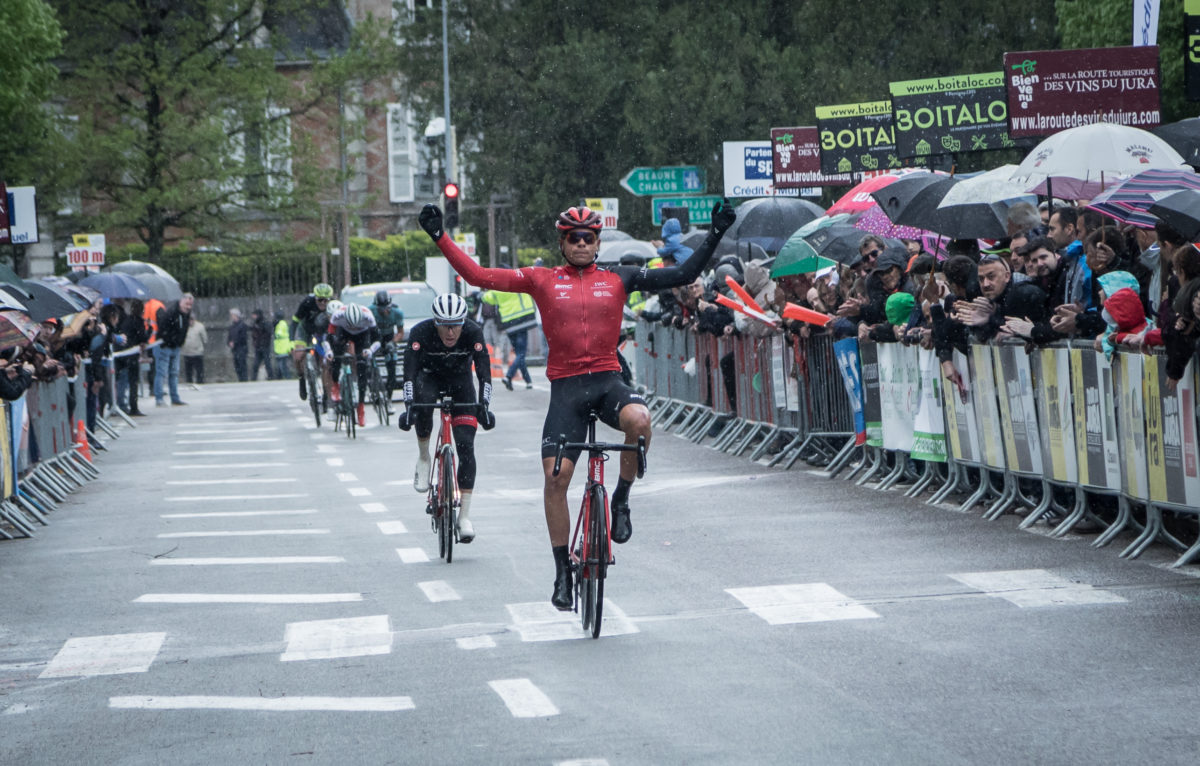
(686, 273)
(493, 279)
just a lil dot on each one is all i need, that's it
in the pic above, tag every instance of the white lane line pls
(1036, 588)
(247, 598)
(358, 491)
(317, 435)
(540, 621)
(523, 699)
(334, 462)
(245, 533)
(373, 507)
(252, 430)
(583, 762)
(193, 482)
(468, 643)
(346, 477)
(264, 704)
(412, 555)
(439, 590)
(105, 655)
(392, 527)
(246, 425)
(217, 415)
(347, 637)
(327, 448)
(802, 602)
(235, 514)
(215, 452)
(206, 498)
(200, 562)
(227, 466)
(227, 441)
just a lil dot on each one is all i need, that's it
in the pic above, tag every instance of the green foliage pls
(30, 38)
(399, 257)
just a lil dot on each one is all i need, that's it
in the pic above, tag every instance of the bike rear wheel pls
(378, 397)
(447, 511)
(349, 389)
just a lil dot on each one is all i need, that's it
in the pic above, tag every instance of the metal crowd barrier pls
(1043, 433)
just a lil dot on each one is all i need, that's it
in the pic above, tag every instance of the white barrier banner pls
(1095, 420)
(1131, 423)
(1018, 413)
(929, 425)
(1055, 415)
(987, 410)
(898, 377)
(1171, 436)
(961, 426)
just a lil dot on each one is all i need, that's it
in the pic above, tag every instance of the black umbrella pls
(839, 242)
(895, 198)
(115, 285)
(48, 301)
(915, 203)
(973, 220)
(769, 221)
(1180, 211)
(9, 277)
(1184, 137)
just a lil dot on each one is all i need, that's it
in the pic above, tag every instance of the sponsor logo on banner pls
(948, 115)
(797, 159)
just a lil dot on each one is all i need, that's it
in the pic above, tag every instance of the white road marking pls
(245, 533)
(469, 643)
(802, 602)
(229, 452)
(327, 448)
(347, 637)
(234, 561)
(540, 621)
(192, 482)
(439, 590)
(392, 527)
(227, 466)
(227, 441)
(583, 762)
(317, 435)
(247, 598)
(239, 430)
(373, 507)
(1036, 588)
(18, 708)
(267, 704)
(523, 699)
(334, 462)
(235, 514)
(358, 491)
(206, 498)
(412, 555)
(346, 477)
(105, 655)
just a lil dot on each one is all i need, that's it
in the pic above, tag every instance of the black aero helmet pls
(382, 298)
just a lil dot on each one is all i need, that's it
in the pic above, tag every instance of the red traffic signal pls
(450, 190)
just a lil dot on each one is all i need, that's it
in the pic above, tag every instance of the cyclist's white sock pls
(464, 506)
(423, 450)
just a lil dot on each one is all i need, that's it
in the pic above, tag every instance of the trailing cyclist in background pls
(581, 306)
(437, 362)
(390, 320)
(353, 325)
(308, 330)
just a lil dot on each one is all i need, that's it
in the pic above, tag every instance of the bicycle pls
(348, 385)
(442, 501)
(591, 542)
(312, 378)
(377, 390)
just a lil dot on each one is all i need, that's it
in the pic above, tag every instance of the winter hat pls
(1113, 281)
(672, 234)
(899, 307)
(1123, 311)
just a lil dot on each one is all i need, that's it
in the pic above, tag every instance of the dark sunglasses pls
(872, 254)
(322, 300)
(585, 237)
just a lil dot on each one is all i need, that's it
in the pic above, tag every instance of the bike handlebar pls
(445, 404)
(639, 448)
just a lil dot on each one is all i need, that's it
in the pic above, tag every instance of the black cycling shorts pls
(429, 389)
(572, 398)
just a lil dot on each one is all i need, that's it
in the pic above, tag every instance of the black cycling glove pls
(430, 219)
(722, 216)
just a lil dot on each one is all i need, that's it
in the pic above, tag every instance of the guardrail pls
(1044, 433)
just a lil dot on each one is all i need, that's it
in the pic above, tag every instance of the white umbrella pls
(1078, 162)
(993, 186)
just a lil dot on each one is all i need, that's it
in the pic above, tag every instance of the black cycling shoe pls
(622, 527)
(564, 595)
(303, 389)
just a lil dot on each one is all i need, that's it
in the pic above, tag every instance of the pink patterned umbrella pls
(875, 221)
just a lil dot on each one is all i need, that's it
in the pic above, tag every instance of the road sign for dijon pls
(675, 179)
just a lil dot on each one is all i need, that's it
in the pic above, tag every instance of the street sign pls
(608, 209)
(699, 207)
(676, 179)
(22, 215)
(465, 242)
(86, 250)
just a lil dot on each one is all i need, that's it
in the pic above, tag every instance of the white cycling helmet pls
(334, 307)
(449, 308)
(354, 315)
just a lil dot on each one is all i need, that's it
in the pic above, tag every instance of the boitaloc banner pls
(950, 115)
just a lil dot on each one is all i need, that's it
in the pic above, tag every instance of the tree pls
(30, 39)
(185, 111)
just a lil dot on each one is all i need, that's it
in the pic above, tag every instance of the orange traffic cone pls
(497, 365)
(81, 441)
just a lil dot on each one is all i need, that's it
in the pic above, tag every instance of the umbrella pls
(164, 288)
(973, 220)
(9, 277)
(611, 252)
(993, 186)
(47, 302)
(859, 197)
(16, 329)
(1184, 137)
(115, 286)
(81, 294)
(875, 221)
(920, 209)
(1180, 211)
(826, 221)
(1129, 201)
(1078, 162)
(138, 267)
(798, 257)
(839, 242)
(895, 198)
(769, 221)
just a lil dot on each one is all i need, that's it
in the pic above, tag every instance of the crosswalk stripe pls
(803, 602)
(267, 704)
(1035, 588)
(413, 555)
(475, 642)
(105, 655)
(373, 507)
(392, 527)
(244, 533)
(439, 590)
(346, 637)
(235, 561)
(523, 699)
(208, 498)
(235, 514)
(358, 491)
(247, 598)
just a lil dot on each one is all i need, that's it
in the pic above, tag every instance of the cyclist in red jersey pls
(581, 307)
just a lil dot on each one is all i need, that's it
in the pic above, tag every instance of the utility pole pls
(450, 169)
(344, 234)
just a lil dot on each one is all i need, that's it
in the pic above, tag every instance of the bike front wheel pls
(349, 389)
(313, 381)
(598, 557)
(447, 510)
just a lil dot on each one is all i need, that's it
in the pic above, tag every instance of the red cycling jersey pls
(580, 308)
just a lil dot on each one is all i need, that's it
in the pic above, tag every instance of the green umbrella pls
(826, 221)
(798, 257)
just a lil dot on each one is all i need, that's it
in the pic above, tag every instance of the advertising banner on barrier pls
(961, 425)
(987, 410)
(797, 155)
(1131, 423)
(846, 351)
(1171, 435)
(872, 414)
(1095, 420)
(783, 385)
(1018, 413)
(929, 425)
(8, 486)
(898, 377)
(1056, 419)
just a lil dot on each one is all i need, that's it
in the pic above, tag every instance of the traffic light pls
(450, 192)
